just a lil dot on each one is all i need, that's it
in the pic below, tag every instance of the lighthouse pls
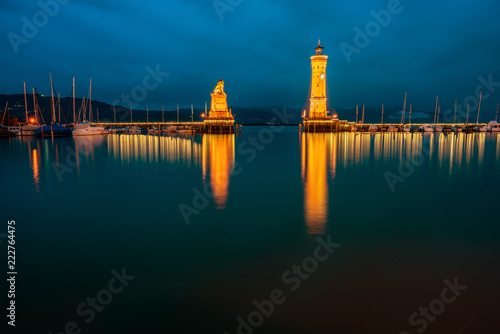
(318, 119)
(317, 108)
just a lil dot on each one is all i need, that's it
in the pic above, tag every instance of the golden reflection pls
(218, 163)
(36, 169)
(450, 152)
(319, 154)
(153, 148)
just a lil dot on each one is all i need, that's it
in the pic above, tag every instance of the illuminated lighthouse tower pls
(317, 108)
(318, 120)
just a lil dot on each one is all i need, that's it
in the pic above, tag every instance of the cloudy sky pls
(260, 48)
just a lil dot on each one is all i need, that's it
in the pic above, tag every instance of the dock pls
(201, 127)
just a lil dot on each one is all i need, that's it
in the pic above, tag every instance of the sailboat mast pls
(363, 117)
(409, 121)
(34, 106)
(479, 107)
(130, 114)
(356, 114)
(5, 111)
(74, 109)
(455, 118)
(382, 113)
(403, 113)
(467, 119)
(439, 111)
(25, 102)
(496, 116)
(90, 100)
(59, 105)
(435, 110)
(191, 113)
(53, 106)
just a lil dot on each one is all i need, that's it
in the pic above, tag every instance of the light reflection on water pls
(321, 155)
(322, 184)
(319, 159)
(218, 159)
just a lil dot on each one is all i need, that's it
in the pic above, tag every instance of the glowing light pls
(317, 108)
(318, 153)
(32, 120)
(218, 159)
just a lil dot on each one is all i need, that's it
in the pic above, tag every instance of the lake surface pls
(344, 233)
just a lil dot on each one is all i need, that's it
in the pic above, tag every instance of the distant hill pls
(243, 115)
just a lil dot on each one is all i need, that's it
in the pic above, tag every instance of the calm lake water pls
(208, 224)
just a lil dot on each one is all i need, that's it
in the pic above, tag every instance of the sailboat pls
(54, 129)
(404, 128)
(86, 128)
(5, 130)
(29, 128)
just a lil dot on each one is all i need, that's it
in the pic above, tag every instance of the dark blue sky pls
(260, 48)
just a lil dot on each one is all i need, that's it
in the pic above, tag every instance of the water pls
(211, 223)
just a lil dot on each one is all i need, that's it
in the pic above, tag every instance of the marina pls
(250, 167)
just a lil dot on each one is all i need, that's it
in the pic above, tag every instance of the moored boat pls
(52, 130)
(169, 129)
(438, 128)
(427, 128)
(392, 128)
(85, 129)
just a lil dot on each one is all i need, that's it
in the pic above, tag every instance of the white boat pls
(392, 128)
(456, 128)
(491, 127)
(85, 129)
(184, 129)
(438, 128)
(170, 129)
(373, 128)
(27, 130)
(14, 129)
(427, 128)
(494, 126)
(153, 130)
(134, 129)
(354, 129)
(406, 129)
